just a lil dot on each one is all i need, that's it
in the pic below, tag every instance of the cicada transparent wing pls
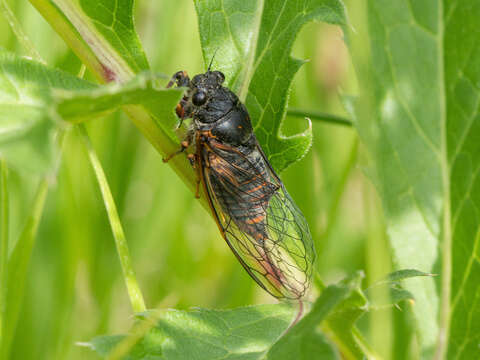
(258, 219)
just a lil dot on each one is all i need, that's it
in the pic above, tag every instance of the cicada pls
(258, 219)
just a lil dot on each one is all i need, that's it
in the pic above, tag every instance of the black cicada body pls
(258, 219)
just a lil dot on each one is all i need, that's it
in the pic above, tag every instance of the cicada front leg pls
(193, 161)
(192, 158)
(183, 109)
(180, 78)
(183, 146)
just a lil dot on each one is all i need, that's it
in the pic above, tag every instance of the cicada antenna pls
(213, 57)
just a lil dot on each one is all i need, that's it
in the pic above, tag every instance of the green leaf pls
(26, 129)
(342, 321)
(254, 42)
(34, 99)
(393, 282)
(304, 341)
(143, 90)
(254, 332)
(243, 333)
(419, 119)
(405, 274)
(228, 34)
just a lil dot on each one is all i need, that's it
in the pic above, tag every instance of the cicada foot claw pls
(184, 145)
(191, 158)
(197, 192)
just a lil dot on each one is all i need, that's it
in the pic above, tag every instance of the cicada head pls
(209, 100)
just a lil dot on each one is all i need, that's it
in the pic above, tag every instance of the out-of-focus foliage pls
(74, 289)
(421, 94)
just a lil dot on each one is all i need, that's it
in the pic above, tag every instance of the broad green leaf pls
(228, 34)
(243, 333)
(143, 90)
(34, 99)
(419, 120)
(254, 44)
(26, 128)
(255, 332)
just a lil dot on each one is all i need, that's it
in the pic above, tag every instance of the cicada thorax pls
(238, 172)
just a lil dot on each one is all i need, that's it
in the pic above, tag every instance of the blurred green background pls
(75, 288)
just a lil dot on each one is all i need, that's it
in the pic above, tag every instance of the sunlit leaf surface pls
(424, 142)
(254, 332)
(254, 42)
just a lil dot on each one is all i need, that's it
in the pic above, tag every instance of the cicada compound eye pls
(199, 98)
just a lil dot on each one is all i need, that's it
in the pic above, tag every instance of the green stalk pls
(319, 116)
(17, 30)
(139, 330)
(136, 297)
(337, 196)
(4, 212)
(13, 268)
(377, 265)
(18, 266)
(364, 345)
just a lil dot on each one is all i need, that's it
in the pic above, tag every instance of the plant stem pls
(319, 116)
(136, 297)
(139, 330)
(17, 266)
(17, 30)
(4, 222)
(362, 343)
(337, 196)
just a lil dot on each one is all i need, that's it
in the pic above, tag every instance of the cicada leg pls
(193, 162)
(192, 158)
(183, 146)
(180, 78)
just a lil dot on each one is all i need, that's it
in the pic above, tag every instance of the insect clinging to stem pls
(258, 219)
